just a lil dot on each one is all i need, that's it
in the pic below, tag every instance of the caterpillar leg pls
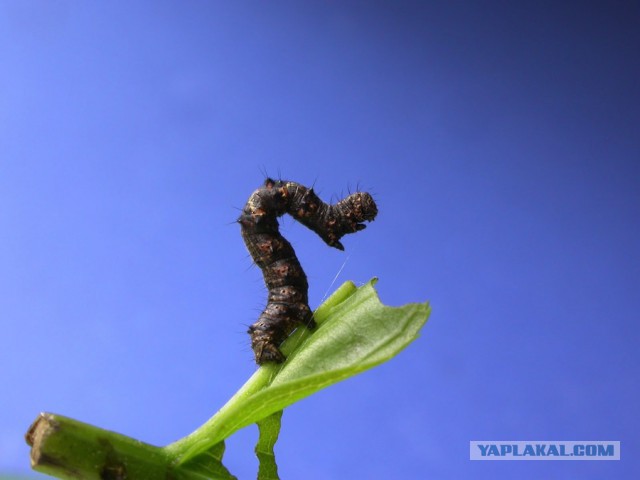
(273, 326)
(263, 347)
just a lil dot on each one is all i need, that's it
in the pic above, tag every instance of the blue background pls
(501, 140)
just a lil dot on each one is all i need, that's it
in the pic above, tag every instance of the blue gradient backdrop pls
(501, 140)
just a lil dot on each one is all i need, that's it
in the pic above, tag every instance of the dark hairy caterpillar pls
(288, 303)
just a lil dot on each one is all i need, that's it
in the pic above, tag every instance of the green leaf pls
(355, 332)
(359, 334)
(269, 428)
(208, 465)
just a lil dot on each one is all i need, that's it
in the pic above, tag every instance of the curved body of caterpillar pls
(288, 304)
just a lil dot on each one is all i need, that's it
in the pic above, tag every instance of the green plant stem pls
(67, 448)
(218, 427)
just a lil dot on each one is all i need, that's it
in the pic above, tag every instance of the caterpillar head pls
(363, 206)
(347, 217)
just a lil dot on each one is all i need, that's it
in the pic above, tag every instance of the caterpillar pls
(287, 302)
